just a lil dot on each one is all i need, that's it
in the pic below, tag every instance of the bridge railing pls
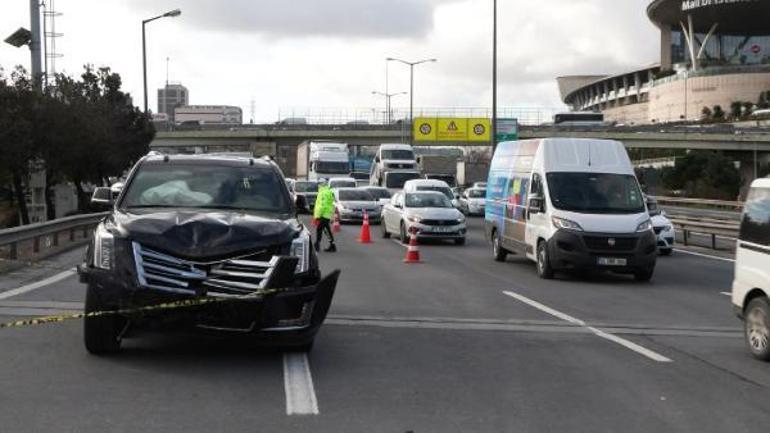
(35, 241)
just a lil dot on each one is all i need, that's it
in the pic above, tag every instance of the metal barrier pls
(733, 205)
(46, 235)
(707, 226)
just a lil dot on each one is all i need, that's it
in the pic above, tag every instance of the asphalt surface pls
(458, 343)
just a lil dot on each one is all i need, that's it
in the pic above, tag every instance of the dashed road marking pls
(596, 331)
(298, 385)
(726, 294)
(38, 284)
(708, 256)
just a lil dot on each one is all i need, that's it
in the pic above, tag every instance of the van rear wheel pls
(544, 269)
(498, 252)
(757, 328)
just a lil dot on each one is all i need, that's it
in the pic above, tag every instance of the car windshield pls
(207, 187)
(442, 189)
(342, 184)
(332, 167)
(398, 154)
(379, 193)
(397, 180)
(306, 187)
(595, 193)
(355, 195)
(427, 199)
(477, 193)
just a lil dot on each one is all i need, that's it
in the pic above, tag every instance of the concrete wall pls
(637, 114)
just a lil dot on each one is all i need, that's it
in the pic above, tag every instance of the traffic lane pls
(433, 380)
(376, 282)
(685, 290)
(159, 383)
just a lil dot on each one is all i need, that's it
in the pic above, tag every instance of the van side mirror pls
(102, 198)
(536, 205)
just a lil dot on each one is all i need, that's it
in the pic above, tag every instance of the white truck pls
(322, 160)
(394, 164)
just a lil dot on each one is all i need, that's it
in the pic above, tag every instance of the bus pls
(579, 119)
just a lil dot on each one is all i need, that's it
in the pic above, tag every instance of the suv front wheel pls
(101, 333)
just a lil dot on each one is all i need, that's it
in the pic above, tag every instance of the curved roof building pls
(713, 52)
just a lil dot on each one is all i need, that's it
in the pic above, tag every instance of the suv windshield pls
(595, 193)
(428, 199)
(306, 187)
(355, 195)
(397, 180)
(442, 189)
(379, 193)
(398, 154)
(207, 187)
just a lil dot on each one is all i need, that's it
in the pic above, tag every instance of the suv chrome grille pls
(223, 278)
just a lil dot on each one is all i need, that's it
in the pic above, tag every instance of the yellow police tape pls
(164, 306)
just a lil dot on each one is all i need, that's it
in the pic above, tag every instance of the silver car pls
(473, 201)
(429, 214)
(351, 203)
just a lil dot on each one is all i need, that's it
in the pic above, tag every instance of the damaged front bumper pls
(287, 308)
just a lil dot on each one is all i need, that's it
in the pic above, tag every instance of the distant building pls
(712, 53)
(171, 97)
(209, 115)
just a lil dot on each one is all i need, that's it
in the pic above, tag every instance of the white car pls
(429, 214)
(473, 200)
(751, 286)
(663, 227)
(342, 182)
(351, 203)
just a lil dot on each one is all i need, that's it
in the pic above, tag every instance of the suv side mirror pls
(536, 205)
(102, 198)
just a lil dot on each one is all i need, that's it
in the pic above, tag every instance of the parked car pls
(203, 228)
(351, 203)
(429, 214)
(569, 204)
(663, 227)
(473, 201)
(342, 182)
(306, 192)
(751, 286)
(381, 194)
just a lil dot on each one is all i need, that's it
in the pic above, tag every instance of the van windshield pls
(397, 154)
(332, 167)
(595, 193)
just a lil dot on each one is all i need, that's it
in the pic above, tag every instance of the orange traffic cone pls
(413, 252)
(336, 224)
(366, 236)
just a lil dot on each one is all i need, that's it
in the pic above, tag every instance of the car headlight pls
(668, 228)
(104, 248)
(565, 224)
(300, 248)
(414, 218)
(644, 227)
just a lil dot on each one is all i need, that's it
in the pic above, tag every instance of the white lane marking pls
(726, 294)
(38, 284)
(298, 385)
(399, 243)
(598, 332)
(708, 256)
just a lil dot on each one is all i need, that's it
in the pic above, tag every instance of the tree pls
(706, 113)
(764, 100)
(718, 113)
(736, 110)
(704, 174)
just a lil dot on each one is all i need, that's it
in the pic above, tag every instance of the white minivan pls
(751, 286)
(394, 158)
(569, 204)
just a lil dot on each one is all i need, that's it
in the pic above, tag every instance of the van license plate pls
(611, 261)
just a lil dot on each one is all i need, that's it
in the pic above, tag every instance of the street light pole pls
(494, 76)
(169, 14)
(388, 98)
(411, 81)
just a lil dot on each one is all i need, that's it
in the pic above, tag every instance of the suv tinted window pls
(755, 227)
(207, 187)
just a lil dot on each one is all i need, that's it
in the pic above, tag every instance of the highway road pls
(458, 343)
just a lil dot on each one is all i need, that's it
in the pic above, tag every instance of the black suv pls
(219, 231)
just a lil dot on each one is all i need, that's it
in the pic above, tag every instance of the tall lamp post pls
(411, 80)
(494, 76)
(388, 97)
(169, 14)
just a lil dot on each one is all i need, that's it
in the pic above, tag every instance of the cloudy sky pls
(287, 54)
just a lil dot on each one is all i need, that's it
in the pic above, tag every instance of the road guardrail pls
(35, 240)
(699, 202)
(707, 226)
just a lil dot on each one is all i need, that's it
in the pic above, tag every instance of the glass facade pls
(723, 50)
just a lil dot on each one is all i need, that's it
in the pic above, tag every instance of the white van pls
(569, 204)
(751, 286)
(393, 158)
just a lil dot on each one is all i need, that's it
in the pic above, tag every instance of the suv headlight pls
(300, 248)
(561, 223)
(104, 248)
(644, 227)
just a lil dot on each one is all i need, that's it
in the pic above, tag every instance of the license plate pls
(611, 261)
(441, 229)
